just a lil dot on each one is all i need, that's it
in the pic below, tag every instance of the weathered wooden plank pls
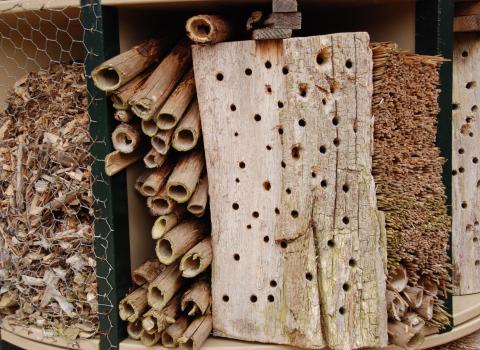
(466, 24)
(291, 20)
(310, 99)
(240, 91)
(466, 169)
(284, 6)
(271, 33)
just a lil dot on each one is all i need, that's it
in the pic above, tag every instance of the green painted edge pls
(111, 206)
(434, 36)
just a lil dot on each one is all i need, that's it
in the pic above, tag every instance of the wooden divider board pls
(286, 125)
(465, 164)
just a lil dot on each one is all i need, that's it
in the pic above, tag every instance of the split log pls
(134, 329)
(171, 335)
(426, 309)
(147, 272)
(117, 161)
(284, 6)
(271, 34)
(176, 242)
(177, 103)
(197, 332)
(398, 279)
(153, 159)
(188, 130)
(414, 296)
(197, 259)
(198, 202)
(141, 180)
(121, 96)
(184, 178)
(133, 305)
(415, 322)
(161, 204)
(164, 287)
(197, 299)
(149, 127)
(119, 70)
(124, 116)
(148, 100)
(396, 306)
(126, 138)
(165, 223)
(150, 339)
(157, 178)
(162, 140)
(158, 320)
(208, 29)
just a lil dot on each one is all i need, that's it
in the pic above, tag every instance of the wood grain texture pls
(271, 33)
(272, 210)
(466, 24)
(284, 6)
(292, 20)
(466, 169)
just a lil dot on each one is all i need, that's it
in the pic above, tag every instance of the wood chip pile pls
(408, 173)
(47, 261)
(153, 91)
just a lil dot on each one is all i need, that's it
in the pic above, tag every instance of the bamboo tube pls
(133, 305)
(117, 161)
(197, 332)
(158, 320)
(124, 116)
(426, 309)
(165, 223)
(207, 29)
(197, 259)
(198, 202)
(399, 279)
(150, 339)
(122, 95)
(149, 127)
(153, 159)
(126, 138)
(141, 180)
(119, 70)
(162, 141)
(179, 240)
(161, 204)
(163, 288)
(415, 322)
(177, 103)
(157, 178)
(171, 335)
(184, 178)
(134, 329)
(197, 298)
(148, 100)
(188, 130)
(399, 334)
(147, 272)
(414, 296)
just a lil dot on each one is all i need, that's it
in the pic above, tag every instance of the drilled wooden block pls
(277, 163)
(465, 163)
(271, 34)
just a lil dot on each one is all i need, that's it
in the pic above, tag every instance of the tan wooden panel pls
(465, 164)
(296, 97)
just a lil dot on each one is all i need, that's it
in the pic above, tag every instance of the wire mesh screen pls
(48, 278)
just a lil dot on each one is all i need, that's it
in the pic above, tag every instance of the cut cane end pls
(156, 297)
(165, 251)
(141, 108)
(190, 266)
(199, 30)
(106, 78)
(178, 192)
(127, 312)
(166, 121)
(184, 140)
(167, 340)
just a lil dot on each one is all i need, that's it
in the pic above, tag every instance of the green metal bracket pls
(111, 207)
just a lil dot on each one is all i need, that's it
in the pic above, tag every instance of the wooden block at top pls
(271, 34)
(284, 20)
(278, 121)
(466, 24)
(284, 6)
(467, 8)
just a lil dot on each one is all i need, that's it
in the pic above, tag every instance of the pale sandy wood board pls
(265, 279)
(465, 163)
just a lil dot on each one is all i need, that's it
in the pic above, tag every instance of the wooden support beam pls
(284, 6)
(271, 34)
(466, 24)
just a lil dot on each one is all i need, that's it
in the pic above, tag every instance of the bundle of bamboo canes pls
(160, 122)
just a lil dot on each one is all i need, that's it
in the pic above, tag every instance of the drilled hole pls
(253, 298)
(308, 276)
(248, 71)
(237, 180)
(294, 214)
(219, 76)
(288, 190)
(314, 175)
(341, 310)
(277, 211)
(474, 108)
(266, 239)
(283, 244)
(241, 165)
(255, 214)
(477, 262)
(257, 117)
(345, 220)
(335, 121)
(336, 141)
(280, 131)
(470, 134)
(468, 119)
(461, 170)
(475, 160)
(283, 164)
(464, 205)
(475, 239)
(280, 104)
(461, 151)
(323, 149)
(471, 84)
(455, 106)
(249, 227)
(331, 243)
(324, 101)
(352, 262)
(266, 185)
(233, 108)
(464, 53)
(235, 206)
(302, 122)
(235, 134)
(454, 172)
(295, 152)
(345, 188)
(323, 183)
(269, 147)
(285, 70)
(270, 298)
(225, 298)
(346, 287)
(236, 257)
(476, 223)
(273, 283)
(323, 55)
(268, 89)
(302, 88)
(348, 64)
(268, 64)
